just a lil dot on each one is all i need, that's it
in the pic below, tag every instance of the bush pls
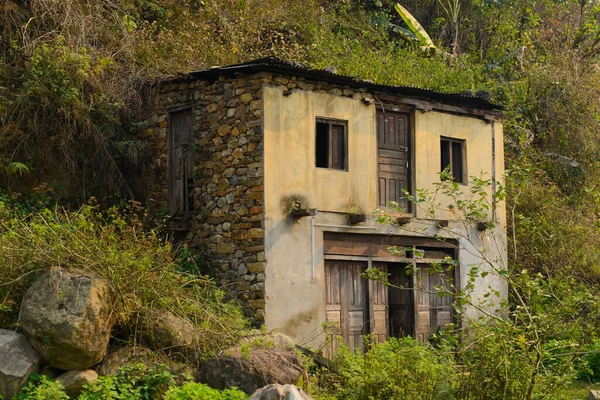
(588, 365)
(396, 369)
(199, 391)
(41, 388)
(134, 381)
(113, 244)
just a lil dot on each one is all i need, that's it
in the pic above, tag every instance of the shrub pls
(41, 388)
(199, 391)
(588, 365)
(133, 381)
(113, 244)
(396, 369)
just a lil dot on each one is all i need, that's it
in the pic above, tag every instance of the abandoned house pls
(273, 170)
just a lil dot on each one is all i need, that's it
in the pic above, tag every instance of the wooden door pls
(346, 303)
(378, 307)
(393, 142)
(181, 162)
(400, 301)
(432, 311)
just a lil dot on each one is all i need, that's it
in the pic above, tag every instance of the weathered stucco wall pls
(294, 284)
(291, 150)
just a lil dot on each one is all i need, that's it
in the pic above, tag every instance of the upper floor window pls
(332, 144)
(453, 158)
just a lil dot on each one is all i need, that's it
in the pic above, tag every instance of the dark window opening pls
(452, 158)
(331, 144)
(322, 145)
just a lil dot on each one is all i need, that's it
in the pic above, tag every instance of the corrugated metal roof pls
(271, 64)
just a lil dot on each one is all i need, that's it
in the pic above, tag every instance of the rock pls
(594, 395)
(73, 381)
(259, 361)
(68, 316)
(280, 392)
(17, 360)
(124, 355)
(270, 340)
(165, 331)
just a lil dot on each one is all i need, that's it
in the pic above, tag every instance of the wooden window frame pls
(330, 122)
(458, 177)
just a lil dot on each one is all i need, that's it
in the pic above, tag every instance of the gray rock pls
(270, 340)
(68, 316)
(260, 360)
(165, 331)
(17, 360)
(280, 392)
(594, 395)
(124, 355)
(73, 381)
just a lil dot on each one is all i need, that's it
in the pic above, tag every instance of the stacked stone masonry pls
(227, 225)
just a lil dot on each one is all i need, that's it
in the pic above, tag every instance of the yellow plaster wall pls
(294, 281)
(477, 133)
(289, 131)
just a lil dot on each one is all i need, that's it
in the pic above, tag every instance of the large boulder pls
(68, 316)
(164, 330)
(269, 340)
(73, 381)
(17, 360)
(253, 365)
(280, 392)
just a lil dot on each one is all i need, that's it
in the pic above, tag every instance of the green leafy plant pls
(415, 28)
(192, 390)
(41, 387)
(396, 369)
(132, 382)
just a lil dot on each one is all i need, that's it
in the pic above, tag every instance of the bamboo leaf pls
(415, 26)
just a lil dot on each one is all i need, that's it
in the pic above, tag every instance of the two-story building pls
(272, 170)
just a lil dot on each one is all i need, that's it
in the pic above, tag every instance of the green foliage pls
(192, 390)
(41, 387)
(588, 366)
(133, 381)
(415, 27)
(528, 348)
(115, 245)
(396, 369)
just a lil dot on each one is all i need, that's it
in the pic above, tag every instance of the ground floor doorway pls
(410, 305)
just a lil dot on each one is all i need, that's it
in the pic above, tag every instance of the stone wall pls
(226, 226)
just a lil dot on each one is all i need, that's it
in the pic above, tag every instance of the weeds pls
(113, 244)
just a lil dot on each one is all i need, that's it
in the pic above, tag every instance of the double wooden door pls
(410, 305)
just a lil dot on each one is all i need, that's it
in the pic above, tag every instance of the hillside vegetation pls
(72, 80)
(72, 75)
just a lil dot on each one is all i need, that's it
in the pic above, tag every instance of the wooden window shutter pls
(181, 162)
